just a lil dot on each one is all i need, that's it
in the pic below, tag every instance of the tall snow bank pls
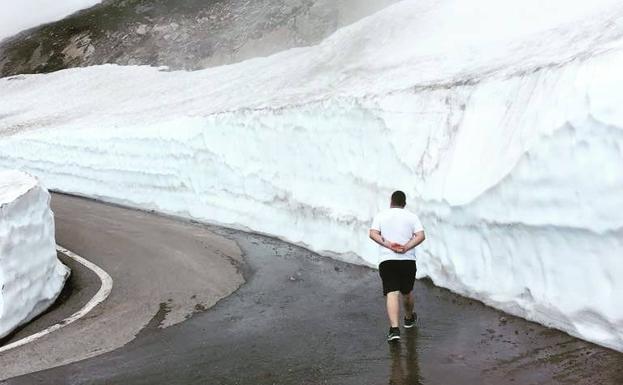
(31, 276)
(505, 132)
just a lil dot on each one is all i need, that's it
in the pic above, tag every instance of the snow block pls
(31, 276)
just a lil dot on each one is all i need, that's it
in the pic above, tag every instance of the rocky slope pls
(190, 34)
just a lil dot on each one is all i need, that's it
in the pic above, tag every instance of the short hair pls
(399, 199)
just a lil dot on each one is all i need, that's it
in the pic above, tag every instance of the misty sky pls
(18, 15)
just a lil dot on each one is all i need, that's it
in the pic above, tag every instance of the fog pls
(18, 15)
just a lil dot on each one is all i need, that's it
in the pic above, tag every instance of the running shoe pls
(410, 322)
(393, 335)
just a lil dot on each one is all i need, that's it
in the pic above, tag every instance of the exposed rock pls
(181, 35)
(142, 29)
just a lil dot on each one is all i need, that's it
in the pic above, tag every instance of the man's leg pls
(407, 281)
(408, 300)
(393, 308)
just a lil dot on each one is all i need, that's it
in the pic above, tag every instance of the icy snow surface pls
(31, 277)
(502, 122)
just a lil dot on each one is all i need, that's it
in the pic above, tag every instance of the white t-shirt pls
(396, 225)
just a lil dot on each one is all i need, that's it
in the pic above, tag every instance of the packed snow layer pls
(505, 132)
(16, 16)
(31, 276)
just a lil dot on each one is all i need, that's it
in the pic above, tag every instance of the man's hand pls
(397, 247)
(375, 235)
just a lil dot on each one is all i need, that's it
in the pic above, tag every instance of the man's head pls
(399, 199)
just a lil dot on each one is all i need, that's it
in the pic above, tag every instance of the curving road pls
(155, 262)
(299, 319)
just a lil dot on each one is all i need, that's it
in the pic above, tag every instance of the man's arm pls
(376, 236)
(415, 240)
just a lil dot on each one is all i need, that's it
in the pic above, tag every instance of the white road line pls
(98, 298)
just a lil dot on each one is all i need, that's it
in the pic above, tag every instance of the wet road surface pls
(305, 319)
(152, 260)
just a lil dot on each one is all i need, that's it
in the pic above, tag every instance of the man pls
(398, 232)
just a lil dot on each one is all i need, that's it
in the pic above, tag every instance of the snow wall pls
(502, 122)
(31, 276)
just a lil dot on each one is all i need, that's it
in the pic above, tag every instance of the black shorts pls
(397, 276)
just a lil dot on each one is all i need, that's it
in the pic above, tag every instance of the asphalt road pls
(304, 319)
(155, 263)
